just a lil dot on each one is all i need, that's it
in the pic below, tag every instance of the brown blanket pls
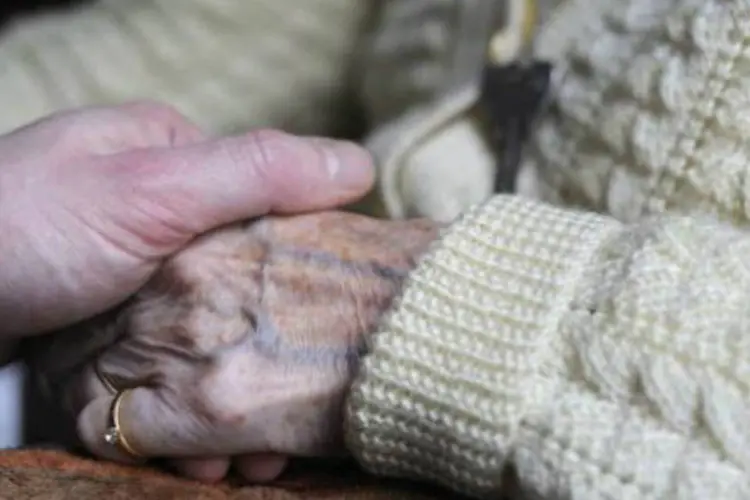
(40, 475)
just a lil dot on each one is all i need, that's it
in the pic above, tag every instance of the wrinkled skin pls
(244, 342)
(93, 200)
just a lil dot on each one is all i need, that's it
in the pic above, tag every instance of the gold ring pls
(114, 435)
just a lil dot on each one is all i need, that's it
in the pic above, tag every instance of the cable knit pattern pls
(227, 64)
(651, 108)
(656, 402)
(599, 360)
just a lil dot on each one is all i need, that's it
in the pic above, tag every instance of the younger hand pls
(92, 201)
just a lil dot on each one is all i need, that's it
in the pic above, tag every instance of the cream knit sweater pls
(650, 115)
(593, 356)
(651, 110)
(598, 360)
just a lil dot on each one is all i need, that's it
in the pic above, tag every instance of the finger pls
(196, 188)
(260, 468)
(151, 426)
(155, 426)
(207, 470)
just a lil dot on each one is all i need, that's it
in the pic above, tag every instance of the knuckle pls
(189, 303)
(264, 157)
(69, 132)
(161, 123)
(110, 129)
(216, 404)
(152, 111)
(74, 120)
(264, 148)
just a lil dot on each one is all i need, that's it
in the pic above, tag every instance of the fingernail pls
(347, 163)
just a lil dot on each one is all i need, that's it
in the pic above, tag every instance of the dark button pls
(513, 96)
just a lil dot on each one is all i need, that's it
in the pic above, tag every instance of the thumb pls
(182, 192)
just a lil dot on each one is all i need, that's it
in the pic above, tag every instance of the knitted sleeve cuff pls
(471, 346)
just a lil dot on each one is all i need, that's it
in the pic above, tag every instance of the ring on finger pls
(114, 436)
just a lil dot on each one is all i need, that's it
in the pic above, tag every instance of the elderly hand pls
(92, 201)
(242, 344)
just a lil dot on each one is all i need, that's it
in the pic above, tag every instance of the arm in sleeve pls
(592, 359)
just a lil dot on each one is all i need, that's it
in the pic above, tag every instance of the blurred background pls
(16, 8)
(226, 64)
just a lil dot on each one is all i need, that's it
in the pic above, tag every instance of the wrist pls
(347, 377)
(472, 346)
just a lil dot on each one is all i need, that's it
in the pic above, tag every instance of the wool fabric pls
(229, 65)
(594, 358)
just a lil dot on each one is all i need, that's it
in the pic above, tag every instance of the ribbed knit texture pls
(471, 347)
(598, 360)
(652, 108)
(227, 64)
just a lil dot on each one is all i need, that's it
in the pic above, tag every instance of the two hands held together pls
(171, 264)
